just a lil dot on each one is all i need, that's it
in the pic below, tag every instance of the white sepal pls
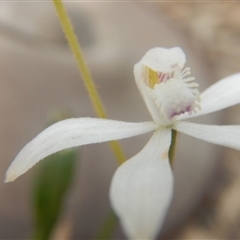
(142, 188)
(153, 109)
(227, 136)
(71, 133)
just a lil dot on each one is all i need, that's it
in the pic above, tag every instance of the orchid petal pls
(142, 188)
(164, 59)
(225, 93)
(72, 133)
(227, 136)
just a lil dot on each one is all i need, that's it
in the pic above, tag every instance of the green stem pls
(84, 71)
(173, 147)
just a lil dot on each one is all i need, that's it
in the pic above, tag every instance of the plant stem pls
(173, 147)
(85, 73)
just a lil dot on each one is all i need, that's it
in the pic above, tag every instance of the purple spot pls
(187, 109)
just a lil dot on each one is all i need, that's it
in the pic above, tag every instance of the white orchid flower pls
(142, 187)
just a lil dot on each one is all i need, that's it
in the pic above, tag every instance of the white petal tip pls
(10, 176)
(9, 179)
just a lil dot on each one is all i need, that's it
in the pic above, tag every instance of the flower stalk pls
(172, 149)
(85, 73)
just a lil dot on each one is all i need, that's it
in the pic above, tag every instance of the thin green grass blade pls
(52, 181)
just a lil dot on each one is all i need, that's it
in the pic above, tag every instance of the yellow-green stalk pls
(85, 73)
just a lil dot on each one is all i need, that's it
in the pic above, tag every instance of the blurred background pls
(39, 77)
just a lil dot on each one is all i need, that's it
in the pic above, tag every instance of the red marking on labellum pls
(187, 109)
